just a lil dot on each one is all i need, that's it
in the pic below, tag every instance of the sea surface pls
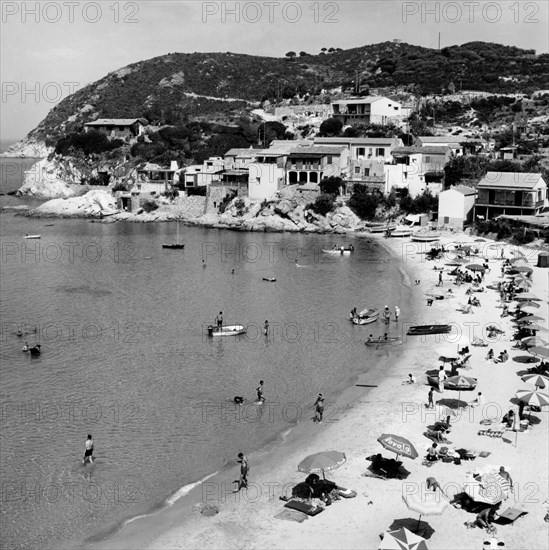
(125, 357)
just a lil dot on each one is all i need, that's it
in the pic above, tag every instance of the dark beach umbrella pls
(397, 444)
(523, 269)
(531, 318)
(533, 341)
(476, 267)
(320, 462)
(459, 383)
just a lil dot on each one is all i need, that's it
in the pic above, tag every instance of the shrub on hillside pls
(364, 202)
(149, 206)
(87, 142)
(323, 204)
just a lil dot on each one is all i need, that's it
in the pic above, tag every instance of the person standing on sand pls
(430, 404)
(244, 468)
(441, 378)
(440, 278)
(397, 313)
(319, 408)
(88, 452)
(266, 328)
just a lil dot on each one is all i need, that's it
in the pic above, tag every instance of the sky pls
(49, 49)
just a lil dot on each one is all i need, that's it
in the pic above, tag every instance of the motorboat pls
(419, 330)
(343, 251)
(365, 317)
(226, 330)
(32, 237)
(425, 237)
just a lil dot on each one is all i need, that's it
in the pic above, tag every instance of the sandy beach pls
(247, 519)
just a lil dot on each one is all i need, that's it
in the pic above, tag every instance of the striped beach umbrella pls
(459, 383)
(533, 341)
(524, 284)
(531, 317)
(320, 462)
(533, 397)
(541, 352)
(490, 489)
(402, 539)
(425, 504)
(537, 380)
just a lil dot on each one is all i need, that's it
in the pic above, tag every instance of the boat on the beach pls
(393, 341)
(419, 330)
(32, 237)
(226, 330)
(343, 251)
(425, 237)
(366, 316)
(379, 227)
(401, 231)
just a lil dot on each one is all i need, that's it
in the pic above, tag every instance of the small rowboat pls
(400, 232)
(425, 237)
(429, 329)
(174, 246)
(382, 342)
(32, 237)
(226, 330)
(339, 251)
(270, 279)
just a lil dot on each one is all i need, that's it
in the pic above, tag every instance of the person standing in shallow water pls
(244, 467)
(260, 396)
(266, 328)
(88, 452)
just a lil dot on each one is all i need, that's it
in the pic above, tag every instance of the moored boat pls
(32, 237)
(400, 232)
(226, 330)
(174, 246)
(425, 237)
(269, 279)
(365, 317)
(429, 329)
(380, 227)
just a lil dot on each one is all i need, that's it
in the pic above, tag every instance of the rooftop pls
(510, 180)
(463, 189)
(356, 140)
(316, 150)
(361, 100)
(427, 150)
(249, 152)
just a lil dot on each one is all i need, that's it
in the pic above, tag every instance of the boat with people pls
(366, 316)
(342, 250)
(425, 237)
(383, 341)
(32, 236)
(226, 330)
(419, 330)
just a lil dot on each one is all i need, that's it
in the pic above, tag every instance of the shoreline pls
(245, 520)
(143, 531)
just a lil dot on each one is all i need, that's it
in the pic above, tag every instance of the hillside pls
(173, 88)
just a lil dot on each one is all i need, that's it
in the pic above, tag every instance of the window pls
(360, 151)
(427, 159)
(313, 177)
(380, 152)
(357, 169)
(329, 160)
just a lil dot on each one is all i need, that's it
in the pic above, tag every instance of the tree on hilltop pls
(290, 55)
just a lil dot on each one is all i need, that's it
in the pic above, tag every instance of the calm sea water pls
(125, 357)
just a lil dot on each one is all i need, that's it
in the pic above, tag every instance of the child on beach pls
(411, 379)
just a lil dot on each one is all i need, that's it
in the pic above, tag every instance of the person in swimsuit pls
(219, 320)
(266, 328)
(88, 450)
(243, 481)
(319, 407)
(260, 396)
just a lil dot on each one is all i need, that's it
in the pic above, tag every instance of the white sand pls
(246, 520)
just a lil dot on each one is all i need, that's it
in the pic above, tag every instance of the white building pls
(198, 175)
(267, 173)
(368, 110)
(455, 206)
(364, 148)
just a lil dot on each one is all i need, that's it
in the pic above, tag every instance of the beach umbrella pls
(530, 318)
(533, 397)
(427, 504)
(460, 382)
(320, 462)
(526, 296)
(490, 489)
(533, 341)
(538, 380)
(523, 269)
(476, 267)
(537, 351)
(528, 303)
(524, 284)
(402, 539)
(398, 444)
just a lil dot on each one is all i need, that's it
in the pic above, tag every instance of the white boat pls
(400, 232)
(425, 237)
(32, 237)
(226, 330)
(343, 251)
(379, 227)
(365, 317)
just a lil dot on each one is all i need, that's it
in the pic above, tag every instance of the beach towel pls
(304, 507)
(510, 515)
(292, 515)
